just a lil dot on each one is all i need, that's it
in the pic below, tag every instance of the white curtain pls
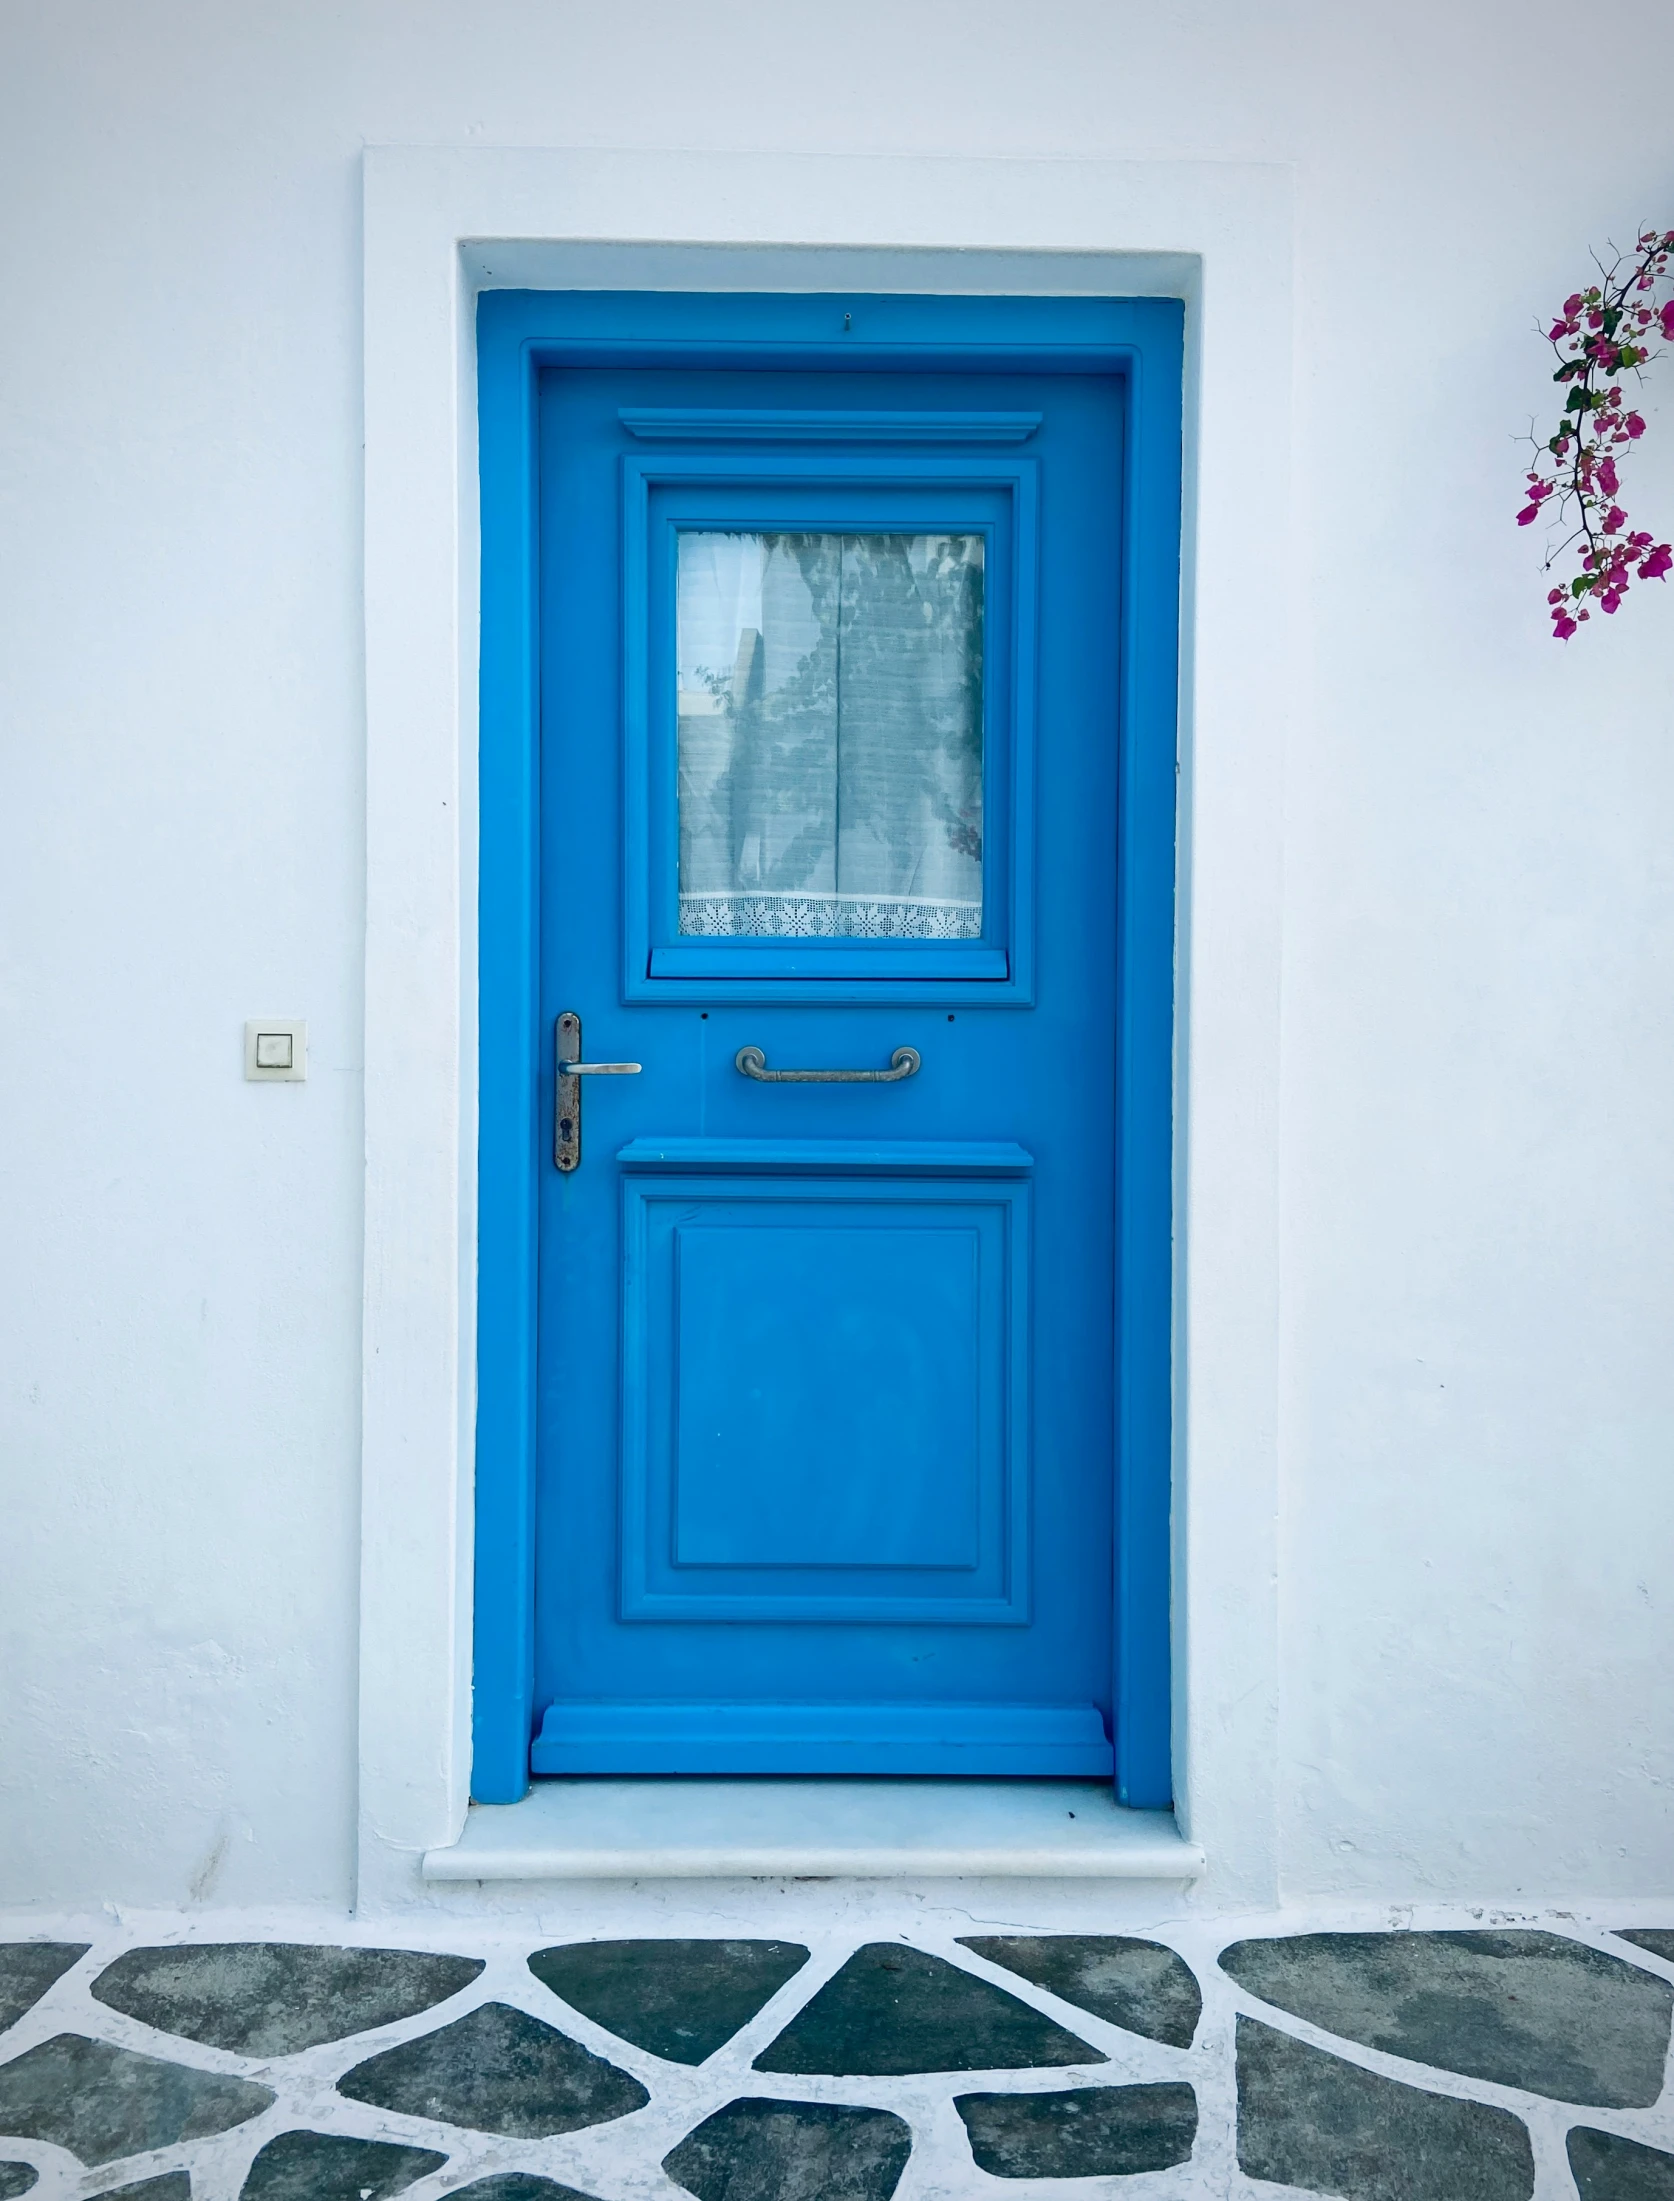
(830, 734)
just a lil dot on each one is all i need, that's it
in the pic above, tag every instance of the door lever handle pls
(566, 1113)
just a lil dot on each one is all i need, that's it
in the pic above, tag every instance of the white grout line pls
(620, 2160)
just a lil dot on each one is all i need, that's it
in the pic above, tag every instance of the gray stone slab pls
(28, 1969)
(1308, 2119)
(1659, 1940)
(679, 1999)
(173, 2185)
(333, 2166)
(756, 2150)
(497, 2070)
(1090, 2132)
(101, 2102)
(1525, 2009)
(891, 2010)
(272, 1998)
(16, 2178)
(518, 2185)
(1137, 1984)
(1610, 2168)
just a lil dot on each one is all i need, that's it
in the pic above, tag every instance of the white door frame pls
(440, 224)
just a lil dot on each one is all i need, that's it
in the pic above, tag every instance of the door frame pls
(518, 333)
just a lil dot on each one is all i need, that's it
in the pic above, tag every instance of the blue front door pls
(828, 721)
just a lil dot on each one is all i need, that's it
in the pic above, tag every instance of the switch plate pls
(276, 1050)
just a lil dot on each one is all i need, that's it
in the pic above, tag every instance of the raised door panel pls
(825, 1412)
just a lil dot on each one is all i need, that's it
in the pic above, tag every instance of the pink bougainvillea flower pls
(1611, 328)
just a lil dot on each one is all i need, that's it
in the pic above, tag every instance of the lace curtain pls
(830, 734)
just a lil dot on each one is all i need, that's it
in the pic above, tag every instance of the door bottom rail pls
(1042, 1740)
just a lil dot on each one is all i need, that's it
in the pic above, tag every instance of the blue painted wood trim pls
(657, 965)
(710, 424)
(503, 1706)
(830, 1157)
(1141, 339)
(1062, 1740)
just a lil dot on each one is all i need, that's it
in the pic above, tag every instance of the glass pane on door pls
(830, 713)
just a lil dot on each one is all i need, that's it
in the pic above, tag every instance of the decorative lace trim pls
(827, 917)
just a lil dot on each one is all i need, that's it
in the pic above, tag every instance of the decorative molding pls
(831, 1157)
(704, 424)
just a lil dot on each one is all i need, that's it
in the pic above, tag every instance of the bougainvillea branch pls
(1610, 329)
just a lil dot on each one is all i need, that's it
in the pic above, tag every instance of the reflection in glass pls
(830, 734)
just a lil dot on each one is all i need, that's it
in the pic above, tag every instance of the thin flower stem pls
(1608, 329)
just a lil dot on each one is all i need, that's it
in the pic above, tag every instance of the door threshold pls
(891, 1741)
(684, 1829)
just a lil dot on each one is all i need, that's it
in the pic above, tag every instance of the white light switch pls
(276, 1049)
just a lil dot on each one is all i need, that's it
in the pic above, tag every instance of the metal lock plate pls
(566, 1113)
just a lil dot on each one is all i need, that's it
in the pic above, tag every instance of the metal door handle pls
(752, 1062)
(566, 1114)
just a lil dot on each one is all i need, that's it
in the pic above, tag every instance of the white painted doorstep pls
(868, 1830)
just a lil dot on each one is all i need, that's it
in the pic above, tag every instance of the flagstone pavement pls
(1488, 2060)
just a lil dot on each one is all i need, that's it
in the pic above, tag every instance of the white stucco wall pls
(1476, 1271)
